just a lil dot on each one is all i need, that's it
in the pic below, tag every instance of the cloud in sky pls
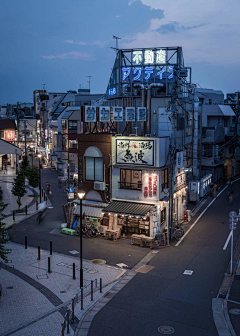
(208, 30)
(71, 55)
(97, 43)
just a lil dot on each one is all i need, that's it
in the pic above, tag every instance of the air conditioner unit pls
(99, 185)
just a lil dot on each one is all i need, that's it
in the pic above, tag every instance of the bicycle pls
(178, 232)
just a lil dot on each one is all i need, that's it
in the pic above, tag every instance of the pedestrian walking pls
(215, 190)
(211, 189)
(230, 198)
(5, 167)
(48, 189)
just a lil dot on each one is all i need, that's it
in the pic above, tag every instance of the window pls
(64, 125)
(72, 126)
(94, 168)
(2, 134)
(208, 150)
(165, 180)
(131, 179)
(73, 144)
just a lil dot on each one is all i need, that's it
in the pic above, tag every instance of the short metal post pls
(39, 253)
(63, 327)
(46, 200)
(68, 330)
(26, 210)
(74, 272)
(36, 205)
(25, 242)
(42, 192)
(72, 310)
(81, 298)
(231, 265)
(100, 285)
(13, 216)
(50, 247)
(91, 290)
(49, 264)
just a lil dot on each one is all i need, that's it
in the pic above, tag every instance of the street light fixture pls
(81, 195)
(39, 156)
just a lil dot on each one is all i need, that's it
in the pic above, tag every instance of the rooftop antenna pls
(89, 81)
(116, 38)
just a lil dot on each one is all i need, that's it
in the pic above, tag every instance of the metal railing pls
(69, 317)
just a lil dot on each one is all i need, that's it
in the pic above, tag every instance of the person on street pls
(211, 189)
(5, 167)
(215, 190)
(48, 189)
(230, 199)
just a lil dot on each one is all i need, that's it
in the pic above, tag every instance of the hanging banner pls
(135, 152)
(118, 114)
(90, 114)
(141, 114)
(130, 113)
(104, 113)
(179, 160)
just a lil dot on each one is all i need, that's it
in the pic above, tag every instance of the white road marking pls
(188, 272)
(227, 241)
(192, 226)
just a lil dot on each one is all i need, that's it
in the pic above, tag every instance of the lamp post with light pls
(39, 156)
(81, 194)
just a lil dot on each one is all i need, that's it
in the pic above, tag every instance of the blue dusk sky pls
(61, 42)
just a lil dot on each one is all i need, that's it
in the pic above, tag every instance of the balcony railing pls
(130, 186)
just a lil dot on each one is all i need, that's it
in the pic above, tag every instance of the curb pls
(87, 318)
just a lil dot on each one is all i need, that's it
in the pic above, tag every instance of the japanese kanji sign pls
(130, 113)
(118, 114)
(141, 114)
(104, 113)
(135, 152)
(90, 114)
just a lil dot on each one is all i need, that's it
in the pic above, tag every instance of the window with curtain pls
(94, 169)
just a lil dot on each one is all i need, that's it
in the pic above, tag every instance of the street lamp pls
(39, 156)
(81, 194)
(233, 219)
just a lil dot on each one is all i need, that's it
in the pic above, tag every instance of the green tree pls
(4, 238)
(25, 163)
(18, 188)
(33, 176)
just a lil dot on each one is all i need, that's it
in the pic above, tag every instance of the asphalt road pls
(96, 248)
(165, 296)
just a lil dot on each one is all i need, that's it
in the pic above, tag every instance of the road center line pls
(227, 241)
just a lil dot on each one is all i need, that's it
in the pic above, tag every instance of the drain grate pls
(166, 330)
(234, 311)
(9, 287)
(98, 261)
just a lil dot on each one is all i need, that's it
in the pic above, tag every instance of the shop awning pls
(89, 211)
(128, 208)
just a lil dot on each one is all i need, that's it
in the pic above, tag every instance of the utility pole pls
(116, 38)
(89, 81)
(25, 127)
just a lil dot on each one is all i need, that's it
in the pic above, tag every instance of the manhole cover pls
(98, 261)
(234, 311)
(166, 330)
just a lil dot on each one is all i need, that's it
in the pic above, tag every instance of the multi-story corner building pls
(150, 112)
(217, 134)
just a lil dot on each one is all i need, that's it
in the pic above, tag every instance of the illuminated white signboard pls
(104, 113)
(130, 113)
(90, 114)
(142, 114)
(135, 152)
(137, 57)
(118, 114)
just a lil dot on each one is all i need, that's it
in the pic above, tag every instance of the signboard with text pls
(135, 152)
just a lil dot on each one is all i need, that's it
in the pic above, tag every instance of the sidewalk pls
(31, 297)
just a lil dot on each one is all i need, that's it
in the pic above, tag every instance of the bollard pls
(39, 253)
(100, 285)
(81, 298)
(25, 242)
(13, 216)
(50, 247)
(72, 310)
(46, 200)
(63, 329)
(36, 205)
(44, 197)
(91, 290)
(49, 265)
(74, 272)
(42, 193)
(68, 330)
(26, 210)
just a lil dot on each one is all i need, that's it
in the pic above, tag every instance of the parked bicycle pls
(178, 232)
